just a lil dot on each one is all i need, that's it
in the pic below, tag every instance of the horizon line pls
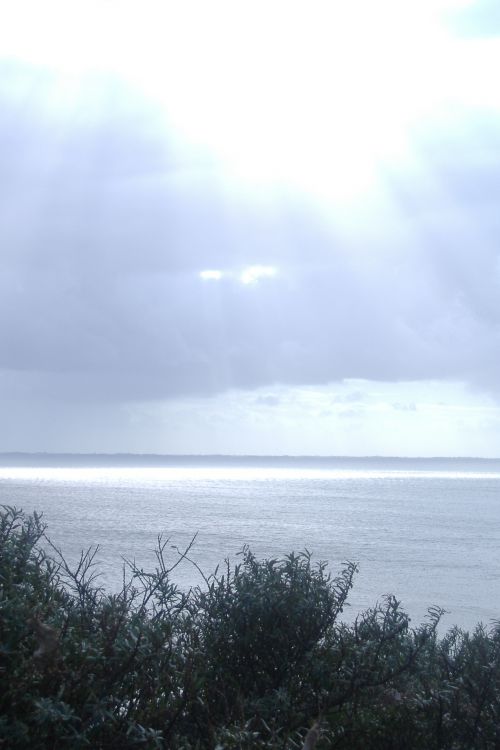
(104, 454)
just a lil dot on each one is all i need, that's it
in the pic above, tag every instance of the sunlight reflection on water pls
(428, 536)
(241, 474)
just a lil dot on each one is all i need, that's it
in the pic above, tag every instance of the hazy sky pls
(250, 227)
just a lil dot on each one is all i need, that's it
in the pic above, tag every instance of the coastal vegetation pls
(256, 657)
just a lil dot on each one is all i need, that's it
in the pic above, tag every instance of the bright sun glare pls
(249, 275)
(211, 275)
(315, 95)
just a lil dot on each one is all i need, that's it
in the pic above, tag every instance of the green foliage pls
(249, 660)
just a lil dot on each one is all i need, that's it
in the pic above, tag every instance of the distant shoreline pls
(181, 460)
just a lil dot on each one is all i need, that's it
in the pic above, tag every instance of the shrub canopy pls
(251, 659)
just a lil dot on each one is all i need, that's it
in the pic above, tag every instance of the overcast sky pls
(266, 227)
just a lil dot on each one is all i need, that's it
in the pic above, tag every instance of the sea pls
(424, 530)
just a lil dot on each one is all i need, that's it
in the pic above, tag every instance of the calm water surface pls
(428, 532)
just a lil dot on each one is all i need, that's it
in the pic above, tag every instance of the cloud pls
(479, 18)
(404, 407)
(107, 223)
(267, 400)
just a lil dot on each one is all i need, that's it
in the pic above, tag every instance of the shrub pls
(248, 660)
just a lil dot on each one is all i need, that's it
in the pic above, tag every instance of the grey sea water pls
(426, 530)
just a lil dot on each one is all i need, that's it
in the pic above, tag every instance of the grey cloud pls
(98, 182)
(100, 298)
(454, 212)
(349, 398)
(404, 407)
(268, 400)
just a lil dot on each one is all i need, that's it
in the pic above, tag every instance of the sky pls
(250, 228)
